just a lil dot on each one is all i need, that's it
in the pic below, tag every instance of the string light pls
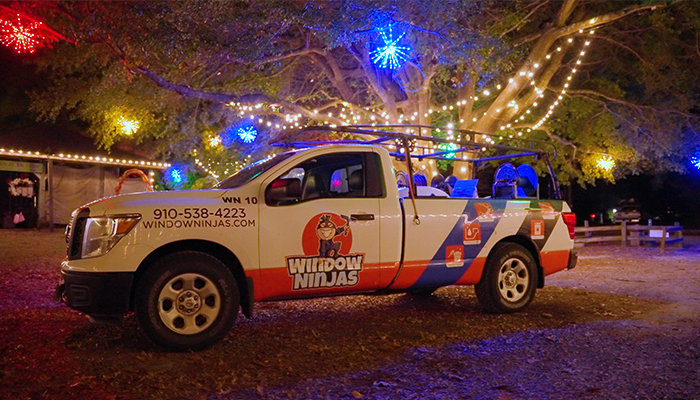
(563, 90)
(83, 158)
(207, 170)
(349, 116)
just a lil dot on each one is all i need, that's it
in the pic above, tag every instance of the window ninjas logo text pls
(325, 272)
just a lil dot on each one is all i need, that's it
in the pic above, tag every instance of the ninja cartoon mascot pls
(327, 230)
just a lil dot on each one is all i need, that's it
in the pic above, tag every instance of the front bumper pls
(573, 259)
(100, 295)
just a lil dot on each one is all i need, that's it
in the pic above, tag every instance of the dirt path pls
(625, 324)
(654, 355)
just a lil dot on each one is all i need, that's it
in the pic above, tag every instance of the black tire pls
(186, 301)
(509, 280)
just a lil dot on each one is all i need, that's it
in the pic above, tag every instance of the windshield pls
(252, 171)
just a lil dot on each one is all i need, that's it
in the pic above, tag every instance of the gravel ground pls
(624, 324)
(655, 355)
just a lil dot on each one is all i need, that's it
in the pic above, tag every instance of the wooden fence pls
(634, 235)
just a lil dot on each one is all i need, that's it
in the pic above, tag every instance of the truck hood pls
(127, 203)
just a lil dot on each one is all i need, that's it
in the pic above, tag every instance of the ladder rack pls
(408, 144)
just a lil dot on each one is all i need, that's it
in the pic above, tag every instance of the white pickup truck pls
(314, 222)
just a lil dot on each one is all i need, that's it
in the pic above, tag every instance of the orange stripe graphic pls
(472, 275)
(554, 261)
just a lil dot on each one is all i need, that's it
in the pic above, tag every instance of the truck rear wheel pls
(186, 301)
(509, 280)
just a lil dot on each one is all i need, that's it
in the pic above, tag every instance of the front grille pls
(77, 230)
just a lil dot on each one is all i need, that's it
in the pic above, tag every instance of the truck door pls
(319, 227)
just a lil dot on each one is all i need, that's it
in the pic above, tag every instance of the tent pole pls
(102, 181)
(49, 171)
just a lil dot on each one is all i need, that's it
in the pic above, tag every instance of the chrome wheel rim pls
(513, 280)
(189, 303)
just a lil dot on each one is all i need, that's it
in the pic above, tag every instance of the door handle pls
(362, 217)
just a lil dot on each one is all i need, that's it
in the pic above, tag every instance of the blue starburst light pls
(389, 54)
(247, 134)
(173, 174)
(695, 160)
(176, 175)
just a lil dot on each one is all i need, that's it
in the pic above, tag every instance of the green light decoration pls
(448, 147)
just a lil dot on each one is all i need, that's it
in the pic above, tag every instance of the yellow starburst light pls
(128, 127)
(606, 163)
(215, 141)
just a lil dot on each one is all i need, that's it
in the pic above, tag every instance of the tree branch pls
(615, 42)
(592, 93)
(224, 98)
(297, 53)
(565, 11)
(558, 138)
(589, 23)
(524, 19)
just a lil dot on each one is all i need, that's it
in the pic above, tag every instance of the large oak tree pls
(191, 72)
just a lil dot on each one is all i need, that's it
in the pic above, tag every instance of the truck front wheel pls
(509, 280)
(186, 301)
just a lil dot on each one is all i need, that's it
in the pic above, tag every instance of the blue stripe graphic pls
(438, 273)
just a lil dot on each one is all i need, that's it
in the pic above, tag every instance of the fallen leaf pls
(357, 394)
(505, 388)
(455, 377)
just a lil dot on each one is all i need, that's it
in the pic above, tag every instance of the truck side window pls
(338, 175)
(334, 176)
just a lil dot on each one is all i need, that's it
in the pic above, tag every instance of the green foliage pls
(204, 183)
(639, 103)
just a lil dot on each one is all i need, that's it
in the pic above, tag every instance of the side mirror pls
(283, 191)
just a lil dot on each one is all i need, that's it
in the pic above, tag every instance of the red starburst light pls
(23, 38)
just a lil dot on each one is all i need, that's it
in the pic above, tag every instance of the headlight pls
(101, 234)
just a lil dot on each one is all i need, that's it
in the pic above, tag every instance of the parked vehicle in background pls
(628, 213)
